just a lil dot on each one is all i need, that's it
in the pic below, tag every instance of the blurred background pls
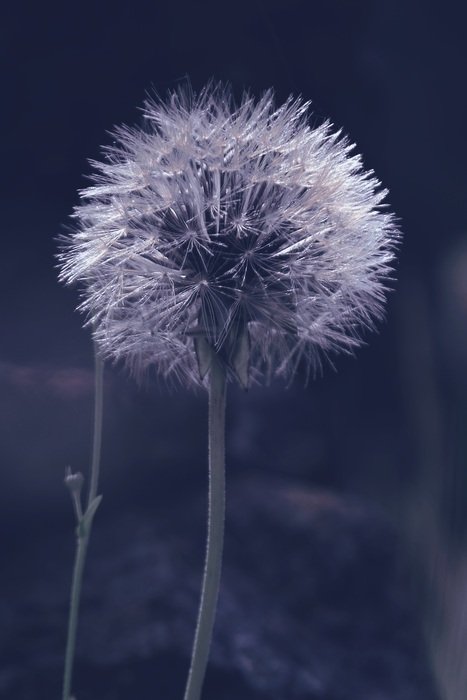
(346, 557)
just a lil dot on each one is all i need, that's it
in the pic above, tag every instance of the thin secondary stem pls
(98, 413)
(83, 530)
(80, 558)
(215, 538)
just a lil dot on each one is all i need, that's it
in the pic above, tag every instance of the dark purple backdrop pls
(392, 74)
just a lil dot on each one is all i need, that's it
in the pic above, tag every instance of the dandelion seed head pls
(233, 227)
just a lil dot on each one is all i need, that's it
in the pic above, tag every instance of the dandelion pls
(238, 229)
(227, 241)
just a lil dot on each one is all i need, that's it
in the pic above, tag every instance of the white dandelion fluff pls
(238, 229)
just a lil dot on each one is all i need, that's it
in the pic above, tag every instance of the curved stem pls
(215, 538)
(83, 530)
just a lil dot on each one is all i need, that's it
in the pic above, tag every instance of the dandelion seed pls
(222, 225)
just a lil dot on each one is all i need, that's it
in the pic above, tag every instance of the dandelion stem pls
(215, 538)
(83, 530)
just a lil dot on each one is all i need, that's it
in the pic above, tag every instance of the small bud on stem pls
(74, 483)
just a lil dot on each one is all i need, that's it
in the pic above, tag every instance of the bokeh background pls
(362, 472)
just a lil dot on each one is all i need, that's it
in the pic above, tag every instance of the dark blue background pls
(388, 425)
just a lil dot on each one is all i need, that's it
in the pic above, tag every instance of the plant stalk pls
(83, 529)
(215, 535)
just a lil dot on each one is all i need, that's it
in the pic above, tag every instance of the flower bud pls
(74, 482)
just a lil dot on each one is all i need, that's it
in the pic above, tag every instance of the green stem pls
(83, 530)
(215, 538)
